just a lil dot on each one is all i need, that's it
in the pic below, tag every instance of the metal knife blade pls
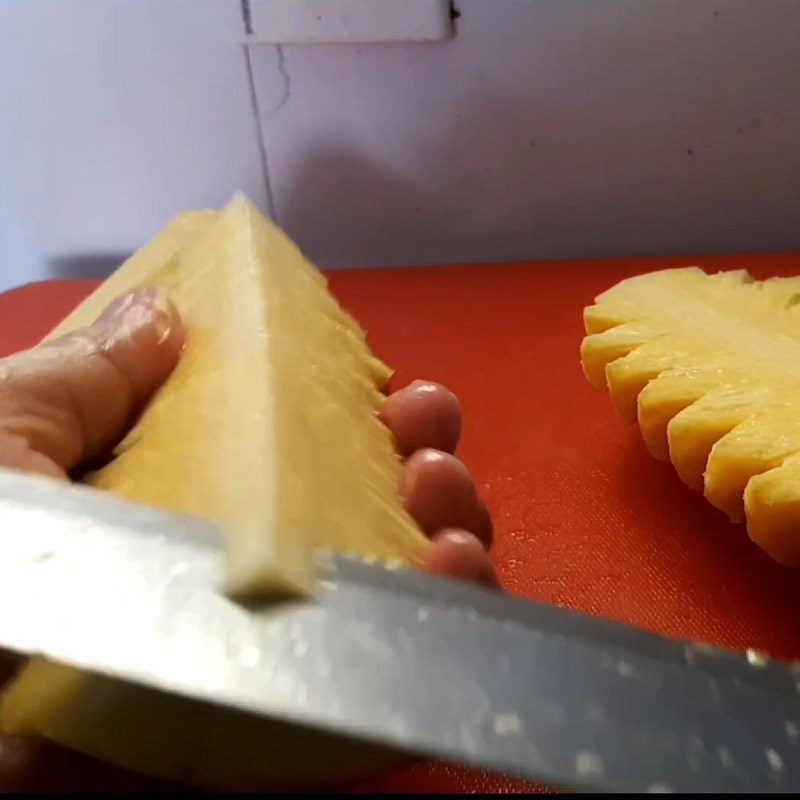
(424, 665)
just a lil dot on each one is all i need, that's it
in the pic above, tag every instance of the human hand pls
(66, 403)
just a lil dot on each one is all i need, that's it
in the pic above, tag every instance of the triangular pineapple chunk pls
(268, 426)
(710, 366)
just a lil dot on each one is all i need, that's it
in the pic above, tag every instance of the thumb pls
(71, 399)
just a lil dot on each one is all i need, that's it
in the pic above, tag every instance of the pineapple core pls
(269, 427)
(709, 365)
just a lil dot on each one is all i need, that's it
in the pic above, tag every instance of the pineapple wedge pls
(709, 365)
(268, 426)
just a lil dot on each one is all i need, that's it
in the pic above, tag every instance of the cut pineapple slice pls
(268, 426)
(709, 366)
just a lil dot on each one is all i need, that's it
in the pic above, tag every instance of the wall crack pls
(285, 77)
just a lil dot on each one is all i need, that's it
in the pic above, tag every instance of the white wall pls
(115, 115)
(545, 129)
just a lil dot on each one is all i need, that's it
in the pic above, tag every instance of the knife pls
(424, 665)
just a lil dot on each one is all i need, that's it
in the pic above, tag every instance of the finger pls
(16, 453)
(72, 398)
(440, 493)
(459, 554)
(422, 415)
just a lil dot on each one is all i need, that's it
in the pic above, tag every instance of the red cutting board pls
(584, 517)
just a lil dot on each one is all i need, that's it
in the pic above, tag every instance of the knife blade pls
(424, 665)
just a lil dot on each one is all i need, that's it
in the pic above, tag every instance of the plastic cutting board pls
(584, 517)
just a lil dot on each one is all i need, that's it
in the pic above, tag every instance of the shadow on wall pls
(523, 181)
(344, 209)
(449, 195)
(496, 180)
(552, 129)
(94, 266)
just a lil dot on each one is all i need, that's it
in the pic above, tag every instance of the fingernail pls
(148, 307)
(117, 309)
(455, 535)
(424, 387)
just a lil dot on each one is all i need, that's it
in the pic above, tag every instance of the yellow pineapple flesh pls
(269, 427)
(709, 366)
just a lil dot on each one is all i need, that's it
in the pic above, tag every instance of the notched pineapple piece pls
(665, 397)
(709, 365)
(269, 427)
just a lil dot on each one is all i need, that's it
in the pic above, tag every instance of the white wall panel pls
(545, 129)
(116, 114)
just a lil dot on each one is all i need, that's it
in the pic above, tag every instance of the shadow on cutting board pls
(74, 266)
(707, 579)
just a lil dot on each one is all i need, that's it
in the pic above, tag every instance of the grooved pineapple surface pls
(585, 517)
(710, 365)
